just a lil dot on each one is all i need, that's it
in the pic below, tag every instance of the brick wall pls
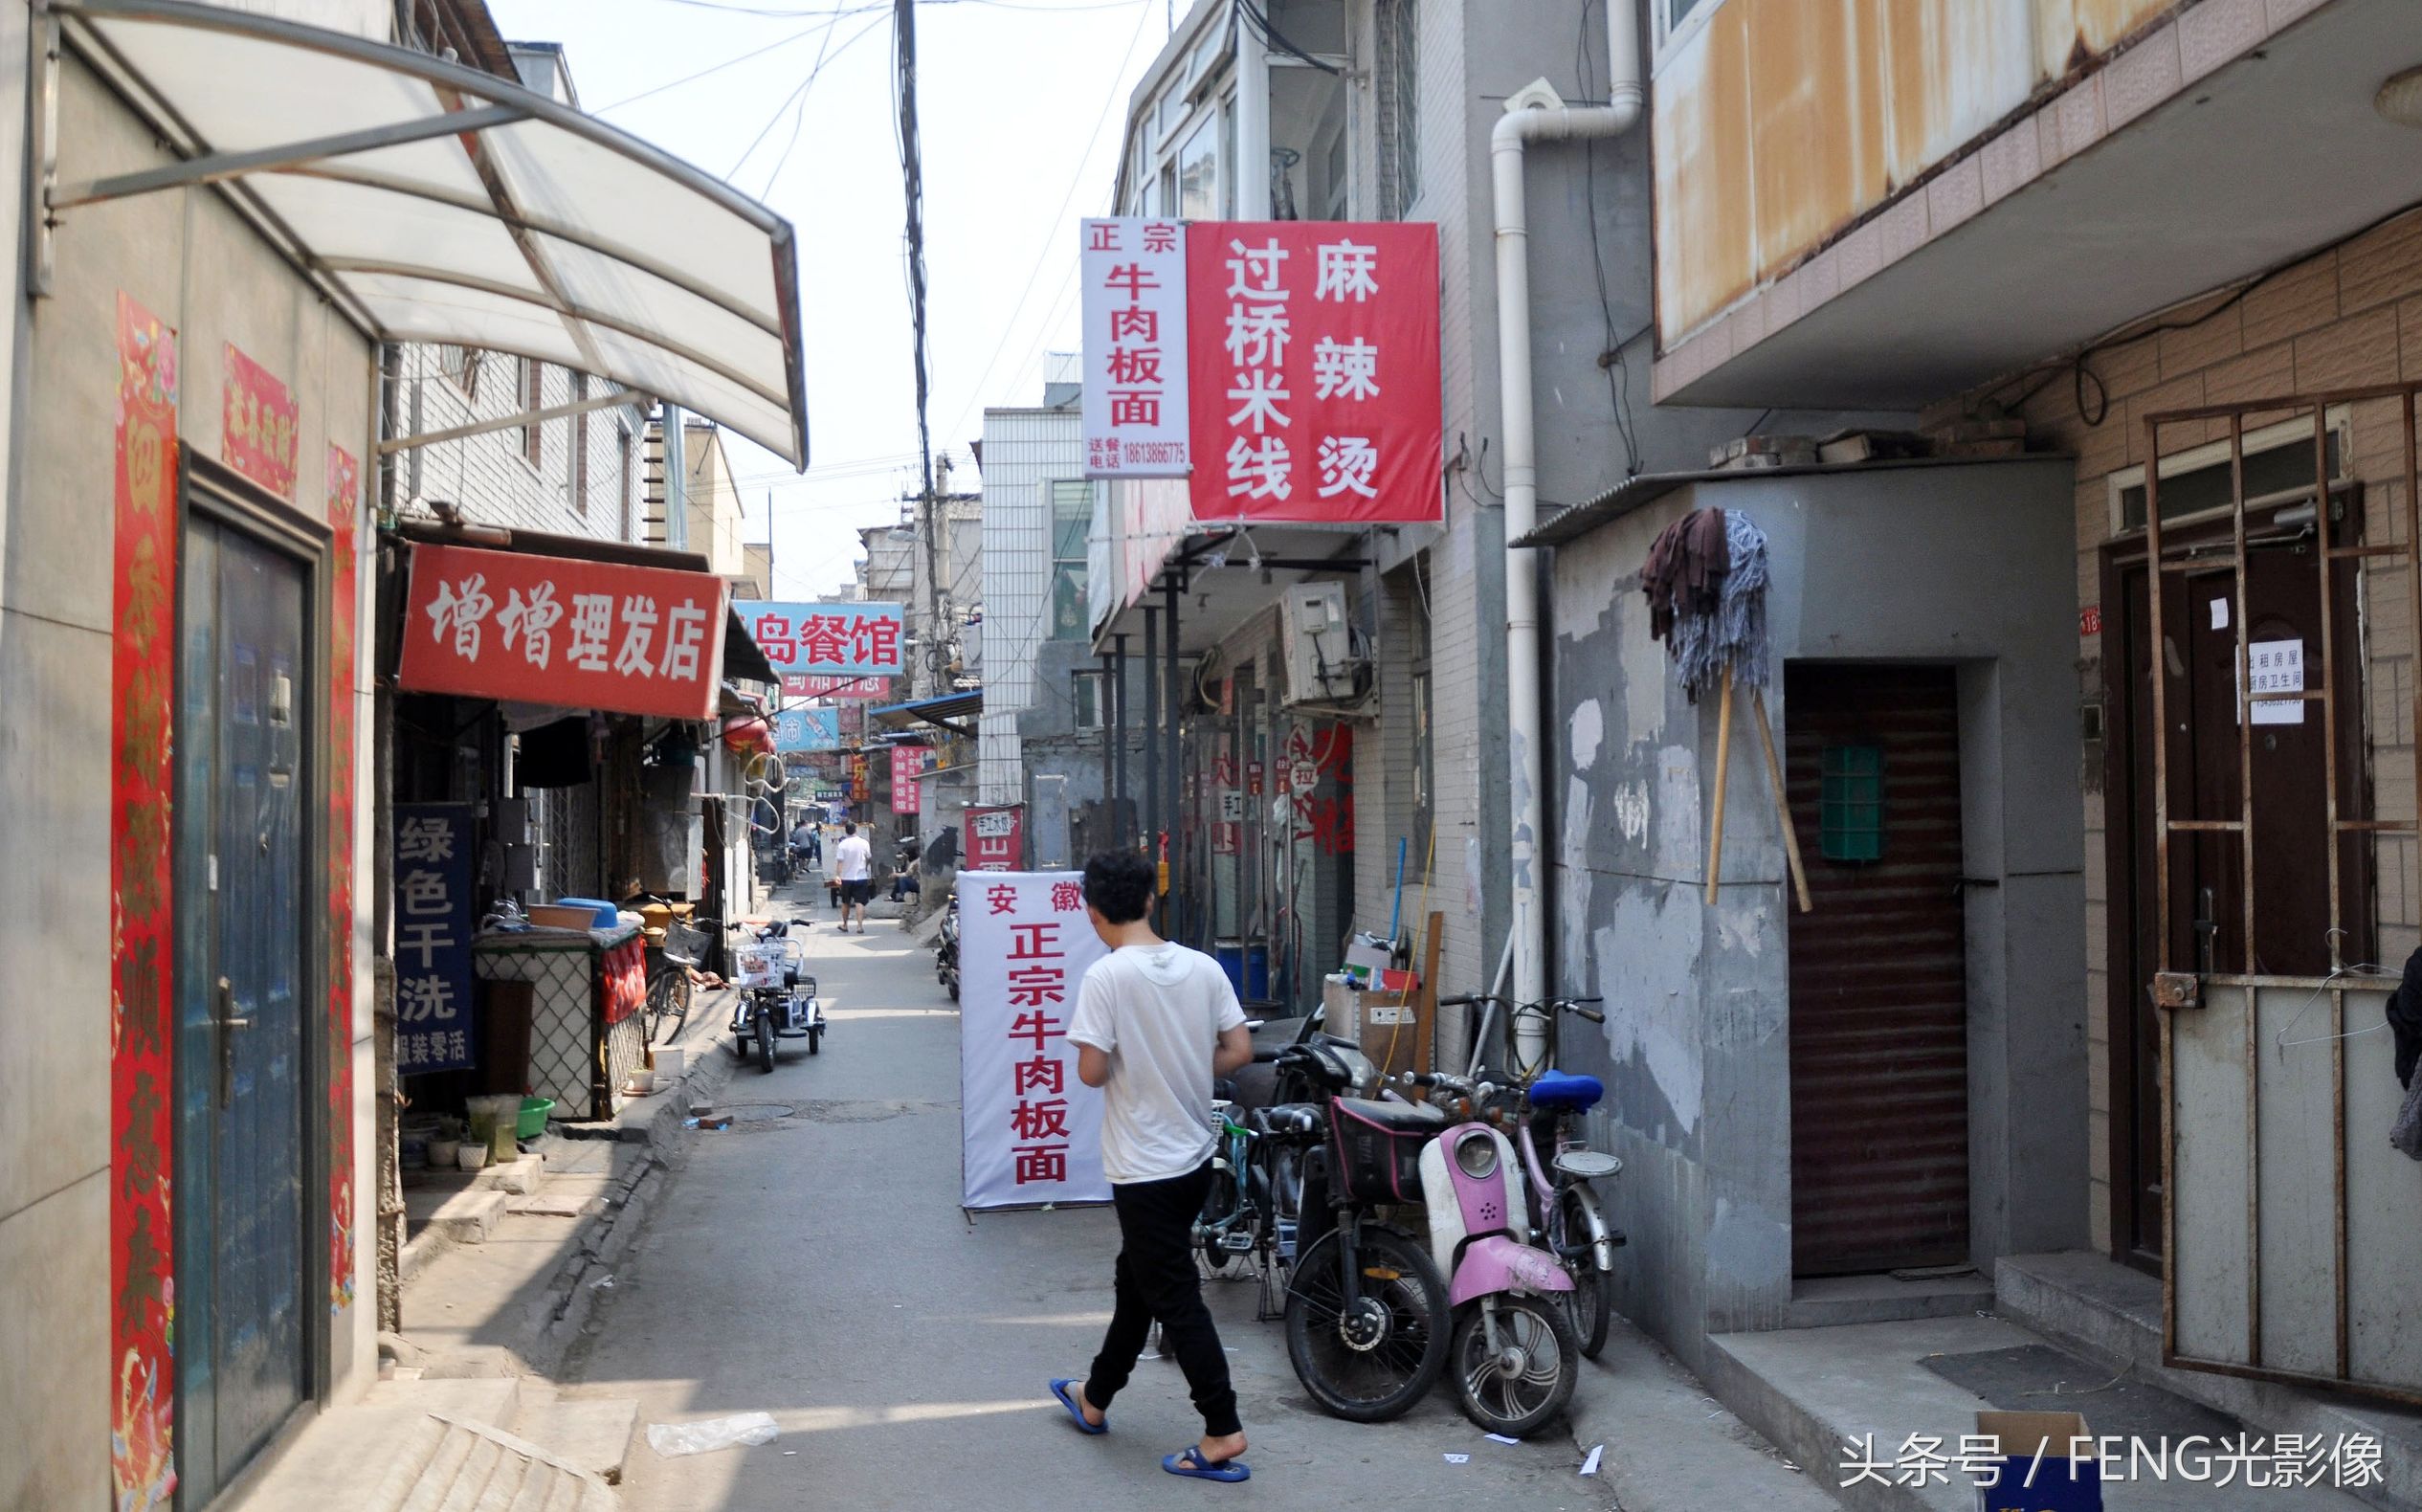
(490, 476)
(2339, 320)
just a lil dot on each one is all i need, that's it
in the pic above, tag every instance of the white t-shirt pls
(1157, 1012)
(853, 856)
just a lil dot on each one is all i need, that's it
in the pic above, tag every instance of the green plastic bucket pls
(534, 1114)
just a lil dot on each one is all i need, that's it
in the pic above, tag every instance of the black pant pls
(1157, 1279)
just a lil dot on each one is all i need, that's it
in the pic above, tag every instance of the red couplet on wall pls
(555, 629)
(1313, 355)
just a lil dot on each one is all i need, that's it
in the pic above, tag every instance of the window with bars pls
(460, 367)
(1072, 519)
(1397, 79)
(1085, 700)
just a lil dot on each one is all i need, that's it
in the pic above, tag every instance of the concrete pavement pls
(812, 1263)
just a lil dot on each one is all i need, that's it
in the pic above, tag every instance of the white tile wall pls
(491, 478)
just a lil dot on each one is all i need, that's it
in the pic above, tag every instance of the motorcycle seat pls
(1563, 1091)
(1395, 1117)
(1285, 1120)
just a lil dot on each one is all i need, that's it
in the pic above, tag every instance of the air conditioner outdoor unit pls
(1325, 662)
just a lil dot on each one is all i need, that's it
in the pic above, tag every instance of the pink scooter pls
(1513, 1355)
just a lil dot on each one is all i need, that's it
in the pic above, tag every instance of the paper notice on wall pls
(2220, 613)
(2277, 666)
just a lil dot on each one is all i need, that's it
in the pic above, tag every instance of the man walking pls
(1154, 1024)
(854, 863)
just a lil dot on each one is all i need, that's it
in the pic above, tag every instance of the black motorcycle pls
(945, 949)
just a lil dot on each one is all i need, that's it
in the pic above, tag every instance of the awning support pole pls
(604, 401)
(1168, 726)
(1122, 823)
(215, 165)
(1154, 714)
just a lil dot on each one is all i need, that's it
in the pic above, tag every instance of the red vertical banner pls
(143, 681)
(996, 838)
(1313, 356)
(908, 768)
(344, 499)
(260, 425)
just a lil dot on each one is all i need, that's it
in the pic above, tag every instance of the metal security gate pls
(2288, 1218)
(1879, 1021)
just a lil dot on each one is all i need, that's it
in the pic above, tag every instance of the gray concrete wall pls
(1967, 565)
(186, 257)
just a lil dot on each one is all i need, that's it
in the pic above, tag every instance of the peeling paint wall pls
(1971, 566)
(1779, 122)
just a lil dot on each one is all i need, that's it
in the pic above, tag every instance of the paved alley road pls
(817, 1266)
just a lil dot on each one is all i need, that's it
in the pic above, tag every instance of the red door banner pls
(996, 838)
(553, 630)
(260, 426)
(1313, 354)
(142, 676)
(1029, 1132)
(345, 504)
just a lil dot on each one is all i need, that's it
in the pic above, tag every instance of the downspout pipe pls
(1535, 113)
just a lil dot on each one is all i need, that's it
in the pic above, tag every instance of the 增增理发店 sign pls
(830, 640)
(559, 631)
(1029, 1130)
(1135, 397)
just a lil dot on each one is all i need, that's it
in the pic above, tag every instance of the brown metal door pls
(1879, 980)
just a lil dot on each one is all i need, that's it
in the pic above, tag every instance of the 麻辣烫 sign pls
(832, 640)
(434, 1029)
(559, 631)
(1314, 364)
(1029, 1130)
(1135, 392)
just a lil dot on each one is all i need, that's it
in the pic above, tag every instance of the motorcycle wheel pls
(816, 1039)
(1219, 1204)
(765, 1040)
(1381, 1381)
(1516, 1403)
(1590, 1303)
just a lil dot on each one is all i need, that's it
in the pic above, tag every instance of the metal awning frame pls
(61, 23)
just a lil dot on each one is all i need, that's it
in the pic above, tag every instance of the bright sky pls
(1020, 103)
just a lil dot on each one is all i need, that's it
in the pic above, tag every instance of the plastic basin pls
(533, 1120)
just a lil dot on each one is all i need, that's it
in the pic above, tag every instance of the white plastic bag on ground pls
(674, 1440)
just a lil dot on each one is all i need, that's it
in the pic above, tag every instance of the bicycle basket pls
(684, 943)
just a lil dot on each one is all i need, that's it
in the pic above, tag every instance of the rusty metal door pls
(1878, 972)
(2289, 1217)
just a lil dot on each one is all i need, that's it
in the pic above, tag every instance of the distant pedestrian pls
(853, 862)
(1155, 1023)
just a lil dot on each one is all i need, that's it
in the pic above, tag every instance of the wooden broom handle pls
(1782, 802)
(1723, 760)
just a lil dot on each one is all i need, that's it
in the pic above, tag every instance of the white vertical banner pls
(1029, 1132)
(1136, 420)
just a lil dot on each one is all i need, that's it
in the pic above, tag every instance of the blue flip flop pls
(1190, 1461)
(1075, 1414)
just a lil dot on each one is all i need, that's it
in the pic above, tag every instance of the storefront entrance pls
(245, 1083)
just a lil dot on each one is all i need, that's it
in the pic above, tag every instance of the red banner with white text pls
(1313, 358)
(559, 631)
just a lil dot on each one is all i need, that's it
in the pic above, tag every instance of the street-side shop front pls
(230, 212)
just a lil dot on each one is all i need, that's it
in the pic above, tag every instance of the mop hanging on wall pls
(1706, 579)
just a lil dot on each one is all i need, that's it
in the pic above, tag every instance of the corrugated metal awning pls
(433, 203)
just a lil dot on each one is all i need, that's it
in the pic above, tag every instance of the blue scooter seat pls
(1563, 1091)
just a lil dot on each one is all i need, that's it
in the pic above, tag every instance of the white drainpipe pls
(1536, 115)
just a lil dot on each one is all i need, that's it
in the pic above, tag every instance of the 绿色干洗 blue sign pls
(434, 1029)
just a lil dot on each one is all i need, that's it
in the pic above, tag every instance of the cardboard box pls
(2036, 1447)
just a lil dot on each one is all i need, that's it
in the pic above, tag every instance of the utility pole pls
(926, 677)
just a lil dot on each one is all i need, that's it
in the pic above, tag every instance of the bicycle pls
(1538, 1107)
(1251, 1211)
(670, 990)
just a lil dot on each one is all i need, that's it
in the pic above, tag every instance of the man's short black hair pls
(1119, 884)
(849, 829)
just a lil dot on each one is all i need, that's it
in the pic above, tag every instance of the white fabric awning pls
(436, 202)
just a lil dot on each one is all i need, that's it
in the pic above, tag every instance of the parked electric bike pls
(1513, 1355)
(945, 950)
(775, 1000)
(1366, 1311)
(1543, 1112)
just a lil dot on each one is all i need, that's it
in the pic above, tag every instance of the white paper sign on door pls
(2277, 666)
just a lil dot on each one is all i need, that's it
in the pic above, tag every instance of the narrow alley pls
(813, 1263)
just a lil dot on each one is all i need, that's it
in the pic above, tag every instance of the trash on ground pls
(1458, 1460)
(602, 1281)
(1589, 1466)
(1499, 1438)
(674, 1439)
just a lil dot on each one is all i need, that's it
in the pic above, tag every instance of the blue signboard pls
(844, 640)
(808, 730)
(434, 1029)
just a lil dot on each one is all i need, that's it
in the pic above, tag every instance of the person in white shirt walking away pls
(854, 864)
(1155, 1023)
